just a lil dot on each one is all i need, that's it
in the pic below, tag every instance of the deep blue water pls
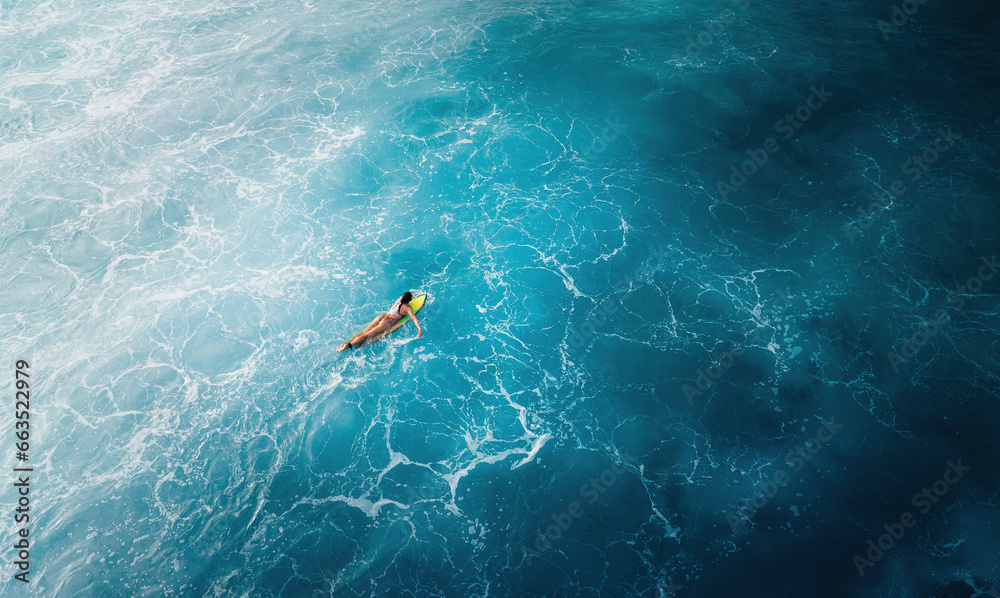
(714, 297)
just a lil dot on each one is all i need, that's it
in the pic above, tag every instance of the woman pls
(400, 309)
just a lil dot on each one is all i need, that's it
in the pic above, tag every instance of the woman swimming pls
(400, 309)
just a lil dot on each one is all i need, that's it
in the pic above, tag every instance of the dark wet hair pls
(406, 297)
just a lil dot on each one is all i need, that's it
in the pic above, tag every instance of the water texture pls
(714, 297)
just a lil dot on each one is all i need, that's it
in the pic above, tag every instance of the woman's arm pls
(413, 316)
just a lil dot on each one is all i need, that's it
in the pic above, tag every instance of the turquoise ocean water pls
(664, 243)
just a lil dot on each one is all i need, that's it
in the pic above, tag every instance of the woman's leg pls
(374, 323)
(361, 337)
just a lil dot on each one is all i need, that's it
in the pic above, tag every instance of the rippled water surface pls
(713, 297)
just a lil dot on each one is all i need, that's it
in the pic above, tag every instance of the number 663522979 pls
(23, 404)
